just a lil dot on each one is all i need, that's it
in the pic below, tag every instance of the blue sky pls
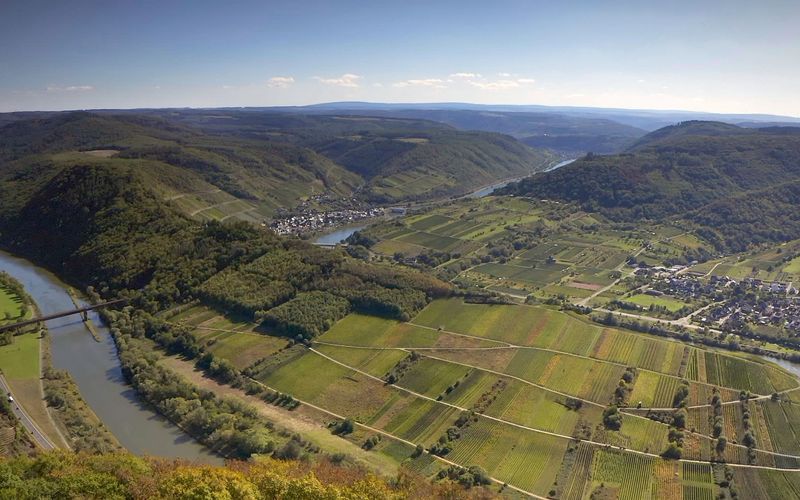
(724, 56)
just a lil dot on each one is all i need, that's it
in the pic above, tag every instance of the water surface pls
(486, 191)
(95, 368)
(337, 235)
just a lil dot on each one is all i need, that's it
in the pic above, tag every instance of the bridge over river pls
(83, 311)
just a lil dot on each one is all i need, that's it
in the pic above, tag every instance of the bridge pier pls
(85, 315)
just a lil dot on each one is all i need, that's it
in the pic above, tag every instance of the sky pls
(731, 56)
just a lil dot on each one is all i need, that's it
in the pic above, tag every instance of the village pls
(757, 303)
(736, 305)
(314, 220)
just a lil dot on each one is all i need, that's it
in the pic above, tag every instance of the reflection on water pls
(337, 236)
(96, 370)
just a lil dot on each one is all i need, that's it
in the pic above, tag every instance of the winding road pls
(26, 420)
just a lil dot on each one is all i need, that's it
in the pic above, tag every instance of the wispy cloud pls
(504, 75)
(495, 85)
(465, 75)
(436, 83)
(280, 82)
(502, 84)
(346, 80)
(70, 88)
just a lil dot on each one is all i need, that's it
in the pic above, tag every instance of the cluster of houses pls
(658, 272)
(778, 312)
(314, 221)
(777, 304)
(683, 287)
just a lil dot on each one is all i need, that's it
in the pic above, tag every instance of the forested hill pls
(271, 160)
(195, 169)
(569, 135)
(102, 226)
(399, 158)
(740, 186)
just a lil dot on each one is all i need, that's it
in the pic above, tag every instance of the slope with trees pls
(738, 186)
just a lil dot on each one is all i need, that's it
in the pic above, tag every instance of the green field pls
(670, 303)
(242, 349)
(10, 306)
(20, 359)
(629, 476)
(793, 267)
(525, 459)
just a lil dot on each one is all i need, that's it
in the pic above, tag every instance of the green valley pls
(509, 344)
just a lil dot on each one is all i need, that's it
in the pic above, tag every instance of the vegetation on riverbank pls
(85, 431)
(14, 302)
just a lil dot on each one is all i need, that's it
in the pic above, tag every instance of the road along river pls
(95, 368)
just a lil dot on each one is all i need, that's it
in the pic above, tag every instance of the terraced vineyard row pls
(545, 328)
(525, 458)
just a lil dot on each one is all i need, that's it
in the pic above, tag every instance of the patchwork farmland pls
(521, 391)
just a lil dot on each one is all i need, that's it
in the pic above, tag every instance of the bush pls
(612, 419)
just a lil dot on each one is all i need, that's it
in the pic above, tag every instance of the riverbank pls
(95, 369)
(73, 294)
(22, 361)
(78, 426)
(336, 235)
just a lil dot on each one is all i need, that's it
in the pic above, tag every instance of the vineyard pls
(629, 476)
(523, 458)
(521, 390)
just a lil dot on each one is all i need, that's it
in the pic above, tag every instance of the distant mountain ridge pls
(564, 134)
(641, 118)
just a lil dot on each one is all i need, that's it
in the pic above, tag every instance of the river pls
(789, 366)
(95, 368)
(337, 235)
(485, 191)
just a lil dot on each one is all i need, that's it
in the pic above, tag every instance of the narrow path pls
(564, 353)
(632, 412)
(531, 429)
(41, 439)
(237, 213)
(685, 321)
(507, 345)
(712, 270)
(179, 196)
(213, 329)
(192, 214)
(487, 370)
(196, 377)
(619, 268)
